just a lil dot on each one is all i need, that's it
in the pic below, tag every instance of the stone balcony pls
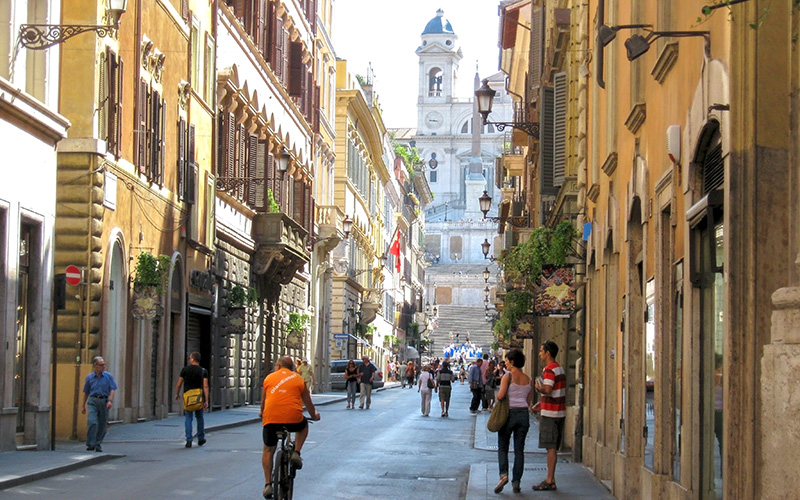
(280, 246)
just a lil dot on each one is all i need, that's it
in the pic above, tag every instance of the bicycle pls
(283, 471)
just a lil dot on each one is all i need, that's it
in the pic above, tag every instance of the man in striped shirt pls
(552, 386)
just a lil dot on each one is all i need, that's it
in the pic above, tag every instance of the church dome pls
(438, 25)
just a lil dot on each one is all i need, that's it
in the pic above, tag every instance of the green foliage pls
(297, 321)
(239, 296)
(413, 329)
(410, 158)
(516, 305)
(272, 205)
(522, 264)
(366, 329)
(708, 11)
(361, 80)
(151, 271)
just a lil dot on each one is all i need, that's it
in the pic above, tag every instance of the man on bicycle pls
(285, 392)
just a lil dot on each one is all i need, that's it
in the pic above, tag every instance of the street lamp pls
(637, 45)
(486, 274)
(347, 226)
(485, 97)
(485, 246)
(43, 36)
(485, 203)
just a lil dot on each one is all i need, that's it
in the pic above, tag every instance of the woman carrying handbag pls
(516, 386)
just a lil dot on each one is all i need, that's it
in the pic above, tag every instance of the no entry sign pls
(73, 275)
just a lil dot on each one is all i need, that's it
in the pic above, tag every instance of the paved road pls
(389, 451)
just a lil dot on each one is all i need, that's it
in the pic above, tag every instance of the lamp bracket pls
(530, 128)
(43, 36)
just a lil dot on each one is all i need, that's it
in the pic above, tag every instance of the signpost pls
(340, 335)
(74, 275)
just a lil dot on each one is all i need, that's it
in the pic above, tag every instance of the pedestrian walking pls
(402, 370)
(552, 386)
(366, 373)
(351, 383)
(491, 383)
(98, 392)
(410, 374)
(305, 371)
(444, 382)
(194, 377)
(475, 385)
(516, 386)
(425, 387)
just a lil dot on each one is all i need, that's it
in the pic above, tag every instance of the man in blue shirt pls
(98, 391)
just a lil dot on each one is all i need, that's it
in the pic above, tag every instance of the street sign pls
(74, 275)
(340, 335)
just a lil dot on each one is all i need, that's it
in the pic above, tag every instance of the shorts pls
(270, 431)
(551, 431)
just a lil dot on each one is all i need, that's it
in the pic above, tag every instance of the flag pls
(395, 250)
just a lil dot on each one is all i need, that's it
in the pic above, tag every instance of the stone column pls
(780, 372)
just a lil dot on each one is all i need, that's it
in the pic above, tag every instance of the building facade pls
(683, 169)
(30, 130)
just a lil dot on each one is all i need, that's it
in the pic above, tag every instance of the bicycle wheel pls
(278, 476)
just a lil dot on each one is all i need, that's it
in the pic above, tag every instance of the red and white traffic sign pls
(74, 275)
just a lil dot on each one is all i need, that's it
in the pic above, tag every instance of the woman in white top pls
(424, 390)
(516, 386)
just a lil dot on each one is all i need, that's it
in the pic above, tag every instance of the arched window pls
(465, 127)
(435, 82)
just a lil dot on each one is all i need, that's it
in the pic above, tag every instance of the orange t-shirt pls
(283, 391)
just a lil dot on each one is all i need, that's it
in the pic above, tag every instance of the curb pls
(54, 471)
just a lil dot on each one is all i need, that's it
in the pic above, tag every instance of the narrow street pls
(389, 451)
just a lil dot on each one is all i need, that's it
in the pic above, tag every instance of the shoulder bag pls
(431, 383)
(193, 399)
(499, 415)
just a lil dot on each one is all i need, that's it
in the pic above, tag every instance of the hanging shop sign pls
(556, 291)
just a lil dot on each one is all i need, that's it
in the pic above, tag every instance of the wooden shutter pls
(191, 167)
(116, 95)
(141, 129)
(713, 169)
(537, 52)
(546, 140)
(104, 96)
(182, 164)
(162, 139)
(185, 10)
(252, 166)
(560, 95)
(296, 69)
(155, 138)
(297, 200)
(241, 159)
(271, 27)
(259, 198)
(272, 181)
(308, 208)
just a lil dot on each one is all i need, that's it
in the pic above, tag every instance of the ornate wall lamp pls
(42, 36)
(485, 247)
(637, 45)
(347, 226)
(485, 202)
(485, 97)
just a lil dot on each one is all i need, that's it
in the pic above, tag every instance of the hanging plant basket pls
(237, 321)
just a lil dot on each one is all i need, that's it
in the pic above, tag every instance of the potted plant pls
(237, 298)
(295, 329)
(149, 284)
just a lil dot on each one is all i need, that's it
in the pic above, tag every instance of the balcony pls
(331, 227)
(371, 304)
(280, 247)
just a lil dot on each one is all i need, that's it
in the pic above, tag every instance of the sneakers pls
(188, 444)
(267, 493)
(201, 442)
(296, 461)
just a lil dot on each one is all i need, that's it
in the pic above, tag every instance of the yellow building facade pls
(135, 177)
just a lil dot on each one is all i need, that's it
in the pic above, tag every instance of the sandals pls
(503, 482)
(545, 486)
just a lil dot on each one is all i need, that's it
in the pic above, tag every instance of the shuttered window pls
(560, 98)
(110, 108)
(150, 134)
(713, 169)
(182, 163)
(546, 140)
(537, 52)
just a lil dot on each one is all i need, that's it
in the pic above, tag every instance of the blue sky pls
(386, 33)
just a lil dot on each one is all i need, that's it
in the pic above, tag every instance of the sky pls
(386, 33)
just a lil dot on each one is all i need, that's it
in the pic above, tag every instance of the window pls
(197, 49)
(110, 116)
(433, 176)
(187, 168)
(435, 82)
(151, 119)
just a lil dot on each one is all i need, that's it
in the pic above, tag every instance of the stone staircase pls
(462, 319)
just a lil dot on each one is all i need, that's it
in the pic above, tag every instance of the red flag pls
(395, 250)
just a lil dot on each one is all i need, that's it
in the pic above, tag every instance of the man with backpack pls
(194, 377)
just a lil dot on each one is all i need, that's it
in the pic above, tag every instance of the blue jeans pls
(201, 433)
(517, 424)
(96, 420)
(351, 393)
